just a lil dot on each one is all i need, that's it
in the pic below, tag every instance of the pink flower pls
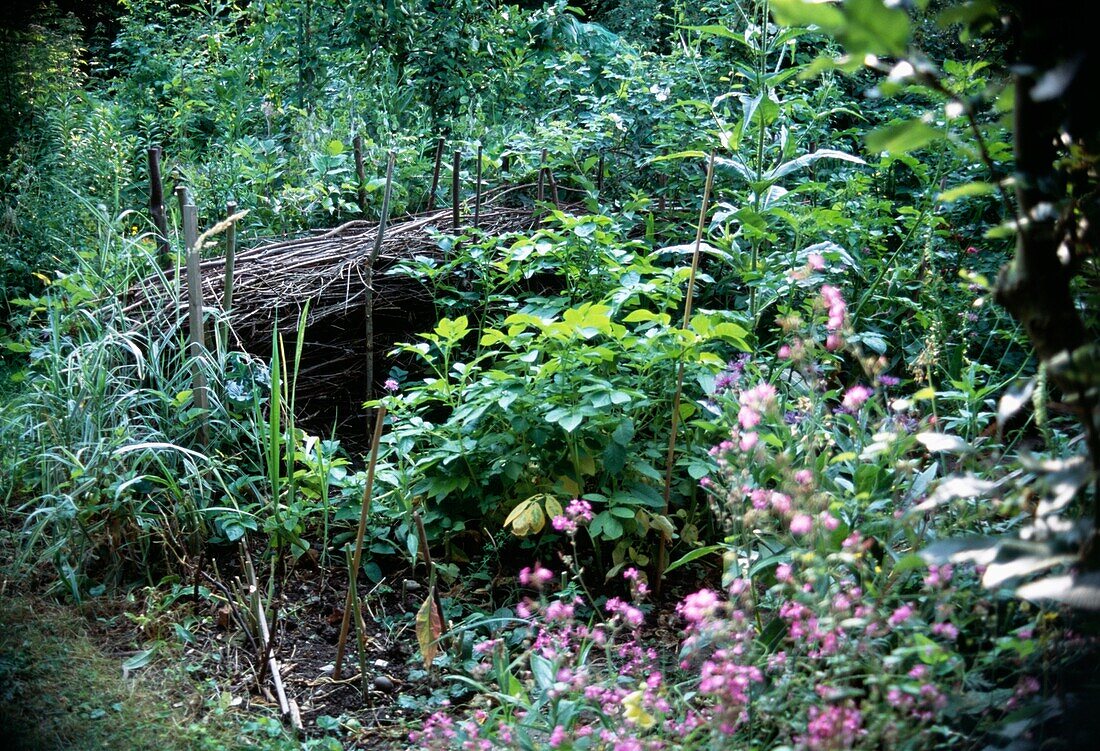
(577, 512)
(816, 261)
(559, 611)
(630, 614)
(835, 727)
(748, 441)
(754, 402)
(946, 629)
(783, 572)
(855, 397)
(557, 737)
(900, 615)
(538, 577)
(802, 524)
(938, 575)
(697, 607)
(391, 385)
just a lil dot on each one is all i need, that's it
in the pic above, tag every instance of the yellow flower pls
(633, 712)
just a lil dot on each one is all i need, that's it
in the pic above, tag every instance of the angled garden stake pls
(375, 252)
(435, 172)
(351, 601)
(662, 551)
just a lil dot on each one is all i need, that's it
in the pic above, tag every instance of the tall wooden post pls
(477, 201)
(360, 173)
(454, 192)
(197, 346)
(435, 172)
(230, 263)
(156, 206)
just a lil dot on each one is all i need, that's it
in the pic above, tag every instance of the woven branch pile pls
(274, 280)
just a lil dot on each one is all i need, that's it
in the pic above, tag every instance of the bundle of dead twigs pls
(273, 281)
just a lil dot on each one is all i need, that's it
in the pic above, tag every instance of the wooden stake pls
(435, 172)
(599, 175)
(454, 192)
(194, 307)
(477, 202)
(357, 556)
(230, 264)
(662, 549)
(360, 173)
(553, 187)
(156, 207)
(375, 252)
(542, 176)
(287, 706)
(423, 535)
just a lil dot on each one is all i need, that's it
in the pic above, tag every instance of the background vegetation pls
(844, 413)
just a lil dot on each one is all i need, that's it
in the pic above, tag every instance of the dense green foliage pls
(846, 436)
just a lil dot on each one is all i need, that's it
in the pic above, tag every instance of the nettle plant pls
(562, 392)
(827, 631)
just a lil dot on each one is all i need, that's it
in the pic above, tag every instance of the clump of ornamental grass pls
(827, 631)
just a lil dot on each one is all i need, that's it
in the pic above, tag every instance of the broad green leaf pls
(681, 155)
(693, 555)
(966, 190)
(141, 659)
(717, 30)
(807, 159)
(899, 138)
(874, 28)
(826, 16)
(543, 670)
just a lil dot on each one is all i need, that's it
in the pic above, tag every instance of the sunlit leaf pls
(945, 442)
(1080, 590)
(963, 486)
(899, 138)
(1013, 400)
(429, 627)
(807, 159)
(974, 548)
(966, 190)
(526, 517)
(826, 16)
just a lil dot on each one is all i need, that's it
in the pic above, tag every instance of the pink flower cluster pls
(577, 513)
(537, 577)
(833, 727)
(837, 310)
(855, 397)
(755, 402)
